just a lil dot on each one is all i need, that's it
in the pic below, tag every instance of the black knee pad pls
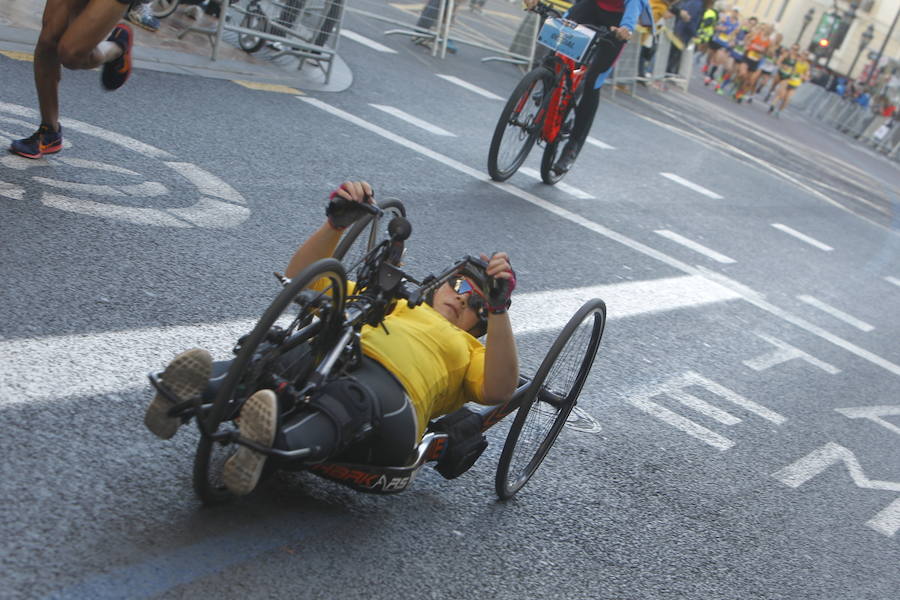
(352, 408)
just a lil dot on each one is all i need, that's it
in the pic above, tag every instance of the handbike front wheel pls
(520, 124)
(550, 398)
(367, 233)
(298, 318)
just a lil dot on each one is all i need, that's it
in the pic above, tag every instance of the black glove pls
(341, 212)
(499, 292)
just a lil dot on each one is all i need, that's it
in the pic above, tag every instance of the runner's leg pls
(82, 45)
(57, 16)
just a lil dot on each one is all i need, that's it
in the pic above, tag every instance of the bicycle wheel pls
(256, 20)
(330, 18)
(550, 398)
(519, 124)
(367, 233)
(554, 149)
(297, 316)
(163, 8)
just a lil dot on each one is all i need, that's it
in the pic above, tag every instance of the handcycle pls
(541, 108)
(327, 322)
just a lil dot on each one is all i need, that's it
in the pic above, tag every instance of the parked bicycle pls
(541, 109)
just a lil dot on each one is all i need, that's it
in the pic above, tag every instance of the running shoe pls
(707, 80)
(186, 377)
(116, 72)
(258, 423)
(41, 142)
(142, 16)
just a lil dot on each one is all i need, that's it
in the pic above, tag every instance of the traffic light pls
(828, 35)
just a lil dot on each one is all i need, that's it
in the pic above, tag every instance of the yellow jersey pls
(801, 68)
(440, 365)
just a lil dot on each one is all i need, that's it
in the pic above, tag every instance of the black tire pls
(329, 21)
(293, 309)
(519, 124)
(254, 19)
(367, 233)
(163, 8)
(550, 398)
(553, 149)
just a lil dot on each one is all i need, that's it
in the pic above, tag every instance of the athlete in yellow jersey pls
(425, 362)
(786, 87)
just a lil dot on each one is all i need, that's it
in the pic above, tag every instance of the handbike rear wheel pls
(163, 8)
(550, 398)
(367, 233)
(298, 316)
(519, 124)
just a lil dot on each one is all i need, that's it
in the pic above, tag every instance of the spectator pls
(687, 19)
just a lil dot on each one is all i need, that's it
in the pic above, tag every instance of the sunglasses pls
(463, 286)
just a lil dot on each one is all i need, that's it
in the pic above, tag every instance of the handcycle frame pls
(434, 445)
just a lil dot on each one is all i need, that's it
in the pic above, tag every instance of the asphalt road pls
(747, 389)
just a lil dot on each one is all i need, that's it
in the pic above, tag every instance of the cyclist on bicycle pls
(621, 17)
(424, 362)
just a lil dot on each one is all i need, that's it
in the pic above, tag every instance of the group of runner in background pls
(745, 60)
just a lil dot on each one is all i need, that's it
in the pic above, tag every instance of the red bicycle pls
(542, 107)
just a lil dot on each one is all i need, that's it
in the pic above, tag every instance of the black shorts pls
(714, 45)
(752, 65)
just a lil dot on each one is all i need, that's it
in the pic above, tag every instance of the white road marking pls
(690, 184)
(836, 313)
(696, 247)
(595, 142)
(675, 388)
(79, 359)
(580, 420)
(11, 191)
(206, 182)
(205, 212)
(109, 136)
(803, 237)
(874, 414)
(361, 39)
(571, 190)
(886, 522)
(755, 298)
(538, 311)
(893, 280)
(470, 86)
(413, 120)
(783, 353)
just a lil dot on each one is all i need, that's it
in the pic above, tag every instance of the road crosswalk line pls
(110, 362)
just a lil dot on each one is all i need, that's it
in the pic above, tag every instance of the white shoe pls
(258, 422)
(186, 377)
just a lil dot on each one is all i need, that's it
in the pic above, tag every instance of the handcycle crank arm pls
(327, 363)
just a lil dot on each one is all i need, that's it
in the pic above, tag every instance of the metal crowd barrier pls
(848, 117)
(305, 29)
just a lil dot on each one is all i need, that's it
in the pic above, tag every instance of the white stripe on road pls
(81, 365)
(692, 185)
(751, 296)
(803, 237)
(893, 280)
(696, 247)
(360, 39)
(595, 142)
(470, 86)
(413, 120)
(540, 311)
(836, 313)
(571, 190)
